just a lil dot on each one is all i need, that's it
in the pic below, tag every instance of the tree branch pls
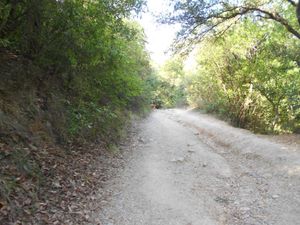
(198, 18)
(243, 10)
(293, 3)
(276, 17)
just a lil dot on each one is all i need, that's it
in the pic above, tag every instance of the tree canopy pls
(91, 47)
(247, 60)
(202, 18)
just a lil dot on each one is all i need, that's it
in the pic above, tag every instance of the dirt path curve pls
(191, 169)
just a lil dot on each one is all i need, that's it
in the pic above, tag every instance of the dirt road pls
(191, 169)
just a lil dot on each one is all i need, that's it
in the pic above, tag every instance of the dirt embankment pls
(32, 103)
(41, 180)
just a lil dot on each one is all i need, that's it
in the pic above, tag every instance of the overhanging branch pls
(293, 3)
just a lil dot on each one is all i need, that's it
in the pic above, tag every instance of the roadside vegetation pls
(169, 88)
(248, 61)
(72, 74)
(92, 53)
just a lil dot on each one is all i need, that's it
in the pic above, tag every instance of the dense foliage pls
(91, 48)
(169, 86)
(203, 18)
(252, 76)
(72, 72)
(247, 63)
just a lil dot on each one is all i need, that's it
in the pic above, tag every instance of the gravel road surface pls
(186, 168)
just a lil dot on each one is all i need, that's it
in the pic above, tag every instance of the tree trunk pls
(32, 33)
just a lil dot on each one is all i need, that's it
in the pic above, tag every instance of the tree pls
(90, 48)
(170, 85)
(201, 18)
(250, 77)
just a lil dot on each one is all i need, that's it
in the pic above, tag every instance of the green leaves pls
(250, 77)
(90, 47)
(201, 19)
(169, 84)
